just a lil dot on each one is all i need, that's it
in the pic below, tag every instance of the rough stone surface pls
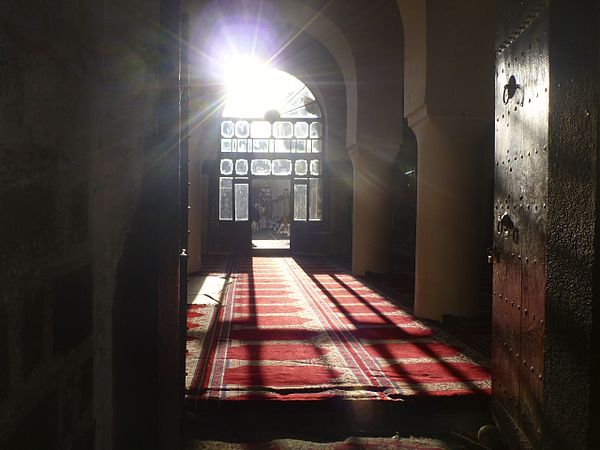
(81, 150)
(38, 429)
(4, 354)
(86, 441)
(72, 309)
(32, 329)
(572, 225)
(46, 145)
(78, 219)
(27, 229)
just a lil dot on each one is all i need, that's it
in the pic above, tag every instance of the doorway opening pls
(270, 213)
(270, 169)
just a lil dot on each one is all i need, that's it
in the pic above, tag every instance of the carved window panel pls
(300, 202)
(226, 166)
(226, 198)
(241, 201)
(260, 167)
(242, 129)
(241, 167)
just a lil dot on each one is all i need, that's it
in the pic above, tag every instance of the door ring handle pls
(510, 89)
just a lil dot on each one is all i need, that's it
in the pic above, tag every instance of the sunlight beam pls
(253, 88)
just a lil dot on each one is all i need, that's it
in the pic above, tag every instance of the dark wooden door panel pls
(520, 207)
(299, 237)
(506, 326)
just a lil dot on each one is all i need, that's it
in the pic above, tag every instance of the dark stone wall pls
(81, 120)
(594, 398)
(572, 225)
(595, 388)
(49, 77)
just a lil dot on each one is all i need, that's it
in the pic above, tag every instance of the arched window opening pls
(271, 129)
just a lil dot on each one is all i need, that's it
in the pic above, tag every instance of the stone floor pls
(269, 240)
(350, 443)
(205, 289)
(418, 424)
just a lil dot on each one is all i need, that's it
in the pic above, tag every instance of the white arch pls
(414, 21)
(330, 36)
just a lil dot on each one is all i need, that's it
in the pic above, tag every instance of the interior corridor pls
(445, 154)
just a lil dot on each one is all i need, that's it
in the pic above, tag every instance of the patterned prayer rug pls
(305, 329)
(201, 315)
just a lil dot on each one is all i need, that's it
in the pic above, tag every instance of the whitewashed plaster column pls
(449, 201)
(371, 218)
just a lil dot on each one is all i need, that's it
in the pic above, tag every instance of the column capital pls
(448, 117)
(363, 154)
(359, 151)
(417, 114)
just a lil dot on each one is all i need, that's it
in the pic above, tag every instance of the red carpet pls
(310, 331)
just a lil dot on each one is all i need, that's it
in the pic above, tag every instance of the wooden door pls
(310, 225)
(299, 238)
(520, 195)
(233, 234)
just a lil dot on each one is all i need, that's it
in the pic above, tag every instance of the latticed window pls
(279, 137)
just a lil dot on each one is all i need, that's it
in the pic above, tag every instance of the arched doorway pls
(270, 170)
